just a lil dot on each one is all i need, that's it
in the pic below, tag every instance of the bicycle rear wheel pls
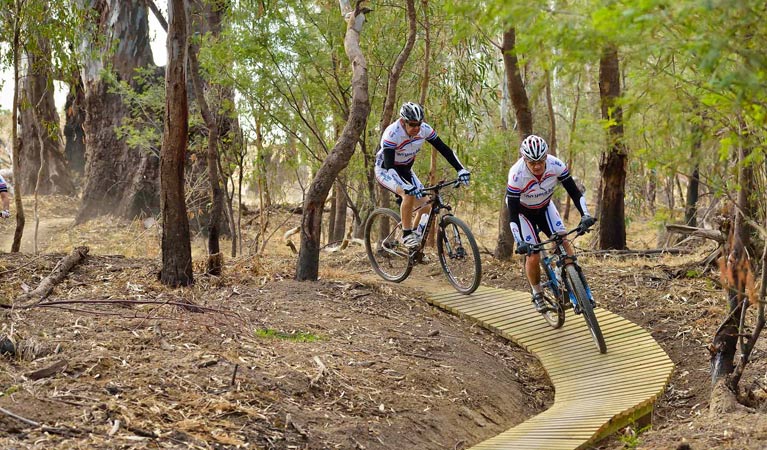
(579, 290)
(459, 255)
(555, 316)
(384, 246)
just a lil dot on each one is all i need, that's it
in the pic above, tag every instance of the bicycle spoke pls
(459, 255)
(384, 245)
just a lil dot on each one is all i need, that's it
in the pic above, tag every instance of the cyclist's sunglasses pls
(413, 124)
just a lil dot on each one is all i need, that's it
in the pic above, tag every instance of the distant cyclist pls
(532, 180)
(5, 199)
(401, 142)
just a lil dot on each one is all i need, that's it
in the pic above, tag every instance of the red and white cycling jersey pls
(534, 193)
(405, 147)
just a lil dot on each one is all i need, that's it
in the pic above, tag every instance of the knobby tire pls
(392, 263)
(579, 290)
(467, 281)
(555, 317)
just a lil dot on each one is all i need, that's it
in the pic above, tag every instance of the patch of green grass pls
(295, 336)
(692, 273)
(10, 390)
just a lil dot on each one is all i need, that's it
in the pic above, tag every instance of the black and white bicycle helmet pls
(412, 112)
(534, 148)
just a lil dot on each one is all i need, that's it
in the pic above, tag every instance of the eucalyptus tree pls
(612, 166)
(176, 247)
(44, 31)
(14, 17)
(44, 168)
(120, 178)
(307, 267)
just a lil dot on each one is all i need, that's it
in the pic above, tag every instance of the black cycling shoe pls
(540, 304)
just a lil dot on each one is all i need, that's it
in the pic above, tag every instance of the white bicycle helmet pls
(412, 112)
(534, 148)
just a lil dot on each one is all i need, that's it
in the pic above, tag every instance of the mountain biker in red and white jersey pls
(531, 184)
(400, 143)
(5, 199)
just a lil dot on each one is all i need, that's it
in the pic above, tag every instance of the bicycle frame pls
(435, 205)
(562, 259)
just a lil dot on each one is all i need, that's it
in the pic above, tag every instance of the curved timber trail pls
(595, 394)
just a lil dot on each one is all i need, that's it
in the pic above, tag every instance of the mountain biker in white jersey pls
(400, 143)
(532, 180)
(5, 199)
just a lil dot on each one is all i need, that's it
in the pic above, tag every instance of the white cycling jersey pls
(405, 147)
(536, 193)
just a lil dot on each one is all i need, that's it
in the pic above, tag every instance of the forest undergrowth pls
(254, 358)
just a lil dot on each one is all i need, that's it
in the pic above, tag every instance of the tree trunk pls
(396, 69)
(612, 224)
(74, 135)
(261, 170)
(693, 185)
(118, 180)
(216, 194)
(736, 270)
(552, 116)
(339, 221)
(570, 153)
(391, 90)
(307, 267)
(425, 76)
(39, 115)
(652, 189)
(176, 247)
(517, 87)
(16, 160)
(504, 247)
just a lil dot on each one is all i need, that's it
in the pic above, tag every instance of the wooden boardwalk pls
(595, 394)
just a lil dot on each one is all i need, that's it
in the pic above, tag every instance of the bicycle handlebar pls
(557, 237)
(442, 184)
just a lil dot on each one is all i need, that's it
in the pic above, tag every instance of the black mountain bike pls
(564, 284)
(456, 247)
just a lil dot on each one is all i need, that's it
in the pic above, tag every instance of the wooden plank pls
(619, 391)
(631, 361)
(514, 310)
(618, 341)
(595, 394)
(487, 305)
(651, 374)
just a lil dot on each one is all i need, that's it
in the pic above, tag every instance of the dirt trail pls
(47, 230)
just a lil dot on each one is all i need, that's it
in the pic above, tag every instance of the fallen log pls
(706, 233)
(57, 275)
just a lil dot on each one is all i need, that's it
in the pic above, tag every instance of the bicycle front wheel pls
(555, 316)
(579, 290)
(384, 246)
(459, 255)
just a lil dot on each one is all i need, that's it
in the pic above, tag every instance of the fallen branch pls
(686, 230)
(57, 275)
(288, 242)
(57, 367)
(47, 429)
(650, 252)
(124, 302)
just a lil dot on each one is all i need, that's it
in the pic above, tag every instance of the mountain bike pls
(456, 246)
(564, 285)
